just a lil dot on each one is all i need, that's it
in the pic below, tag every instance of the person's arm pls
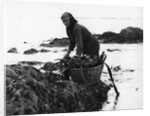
(72, 43)
(67, 54)
(70, 48)
(79, 41)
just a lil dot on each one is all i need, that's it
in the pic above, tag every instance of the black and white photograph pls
(69, 58)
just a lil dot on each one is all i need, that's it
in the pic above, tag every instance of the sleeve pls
(71, 45)
(79, 41)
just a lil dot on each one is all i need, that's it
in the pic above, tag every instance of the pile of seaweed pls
(32, 91)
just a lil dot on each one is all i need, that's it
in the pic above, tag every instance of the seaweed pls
(42, 93)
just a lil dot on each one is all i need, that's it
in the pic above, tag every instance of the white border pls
(146, 59)
(1, 61)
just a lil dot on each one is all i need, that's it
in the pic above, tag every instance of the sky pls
(37, 21)
(18, 8)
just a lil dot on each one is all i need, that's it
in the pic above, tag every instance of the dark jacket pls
(86, 44)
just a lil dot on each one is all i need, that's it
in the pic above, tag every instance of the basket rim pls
(87, 68)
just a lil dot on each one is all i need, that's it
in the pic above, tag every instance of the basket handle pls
(111, 77)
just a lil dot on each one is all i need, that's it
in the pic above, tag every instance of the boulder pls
(13, 50)
(126, 35)
(109, 37)
(131, 35)
(31, 51)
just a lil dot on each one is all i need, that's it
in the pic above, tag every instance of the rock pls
(25, 42)
(117, 80)
(126, 35)
(131, 35)
(46, 44)
(33, 72)
(108, 102)
(137, 89)
(55, 51)
(13, 50)
(29, 63)
(47, 66)
(57, 42)
(96, 36)
(64, 50)
(35, 92)
(128, 70)
(112, 50)
(116, 68)
(10, 72)
(44, 50)
(109, 37)
(31, 51)
(18, 70)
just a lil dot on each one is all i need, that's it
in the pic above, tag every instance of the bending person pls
(79, 36)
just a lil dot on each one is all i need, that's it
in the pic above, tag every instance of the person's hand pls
(66, 55)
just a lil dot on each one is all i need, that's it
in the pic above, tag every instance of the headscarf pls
(72, 21)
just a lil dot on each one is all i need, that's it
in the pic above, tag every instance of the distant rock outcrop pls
(132, 35)
(13, 50)
(64, 50)
(44, 50)
(127, 35)
(109, 37)
(31, 51)
(56, 43)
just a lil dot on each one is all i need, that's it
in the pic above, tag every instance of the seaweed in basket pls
(85, 61)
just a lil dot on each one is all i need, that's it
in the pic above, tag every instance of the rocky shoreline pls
(129, 35)
(30, 91)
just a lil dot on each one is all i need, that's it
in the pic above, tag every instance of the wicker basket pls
(86, 75)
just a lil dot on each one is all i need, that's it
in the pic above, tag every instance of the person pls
(80, 37)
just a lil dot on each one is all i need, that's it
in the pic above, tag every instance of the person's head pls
(68, 19)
